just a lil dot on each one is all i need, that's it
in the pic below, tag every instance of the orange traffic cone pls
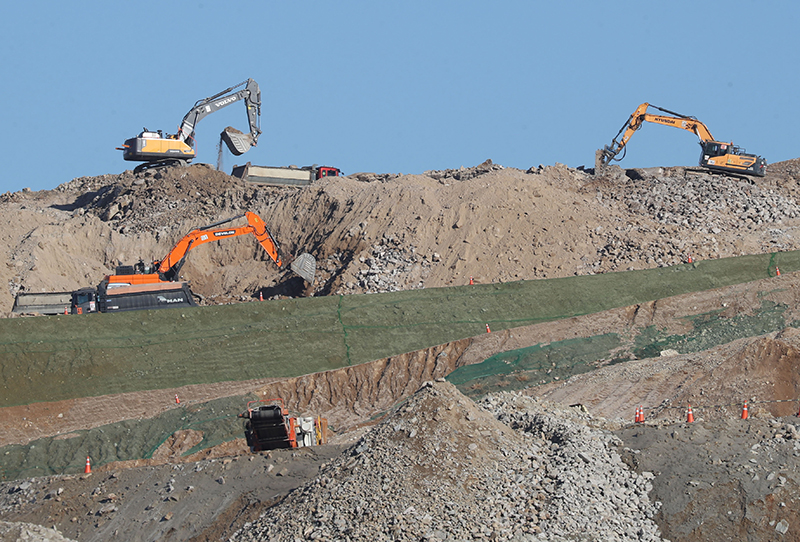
(690, 258)
(261, 296)
(470, 281)
(689, 415)
(777, 271)
(744, 411)
(66, 311)
(641, 414)
(636, 416)
(177, 401)
(88, 468)
(487, 329)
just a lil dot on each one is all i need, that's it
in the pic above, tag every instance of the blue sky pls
(398, 87)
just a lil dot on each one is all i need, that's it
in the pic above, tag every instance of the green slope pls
(62, 357)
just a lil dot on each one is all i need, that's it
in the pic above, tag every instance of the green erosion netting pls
(63, 357)
(123, 441)
(52, 358)
(559, 360)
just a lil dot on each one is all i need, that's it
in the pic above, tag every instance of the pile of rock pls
(443, 468)
(389, 268)
(464, 174)
(703, 202)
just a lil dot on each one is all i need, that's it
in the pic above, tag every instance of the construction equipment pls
(716, 155)
(269, 426)
(157, 285)
(108, 298)
(283, 176)
(155, 149)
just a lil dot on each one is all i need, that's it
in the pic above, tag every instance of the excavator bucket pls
(306, 266)
(238, 143)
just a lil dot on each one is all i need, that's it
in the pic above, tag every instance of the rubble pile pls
(462, 173)
(389, 267)
(701, 201)
(442, 468)
(156, 199)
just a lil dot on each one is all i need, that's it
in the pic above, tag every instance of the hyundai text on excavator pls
(158, 285)
(155, 149)
(715, 155)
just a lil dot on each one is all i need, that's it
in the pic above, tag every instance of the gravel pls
(509, 469)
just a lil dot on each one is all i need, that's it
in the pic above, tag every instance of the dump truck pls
(269, 426)
(283, 176)
(131, 298)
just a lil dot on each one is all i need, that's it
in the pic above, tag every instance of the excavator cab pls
(726, 157)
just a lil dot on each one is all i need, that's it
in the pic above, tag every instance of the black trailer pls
(132, 298)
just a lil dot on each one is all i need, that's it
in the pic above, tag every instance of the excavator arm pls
(716, 155)
(250, 94)
(169, 267)
(635, 122)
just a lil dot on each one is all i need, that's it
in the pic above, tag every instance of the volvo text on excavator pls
(154, 149)
(157, 285)
(715, 155)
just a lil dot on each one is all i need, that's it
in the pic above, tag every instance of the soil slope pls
(383, 232)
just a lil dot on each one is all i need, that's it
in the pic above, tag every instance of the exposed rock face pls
(385, 232)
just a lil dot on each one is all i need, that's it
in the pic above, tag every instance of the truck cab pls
(84, 301)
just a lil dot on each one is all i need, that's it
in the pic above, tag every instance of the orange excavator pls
(158, 285)
(715, 155)
(168, 268)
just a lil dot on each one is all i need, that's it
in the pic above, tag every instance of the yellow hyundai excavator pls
(716, 155)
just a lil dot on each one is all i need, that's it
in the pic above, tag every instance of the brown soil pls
(488, 222)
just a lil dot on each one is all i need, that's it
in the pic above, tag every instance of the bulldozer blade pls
(306, 266)
(237, 142)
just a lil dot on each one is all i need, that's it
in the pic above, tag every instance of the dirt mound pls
(380, 232)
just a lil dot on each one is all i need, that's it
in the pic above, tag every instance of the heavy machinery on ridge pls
(715, 155)
(155, 149)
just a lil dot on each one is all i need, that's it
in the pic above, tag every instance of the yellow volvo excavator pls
(154, 149)
(716, 155)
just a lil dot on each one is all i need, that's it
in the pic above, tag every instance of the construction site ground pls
(665, 334)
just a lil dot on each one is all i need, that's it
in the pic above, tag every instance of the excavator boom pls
(167, 270)
(169, 267)
(716, 155)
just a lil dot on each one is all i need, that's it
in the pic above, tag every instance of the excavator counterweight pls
(715, 155)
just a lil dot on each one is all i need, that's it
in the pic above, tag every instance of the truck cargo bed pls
(42, 303)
